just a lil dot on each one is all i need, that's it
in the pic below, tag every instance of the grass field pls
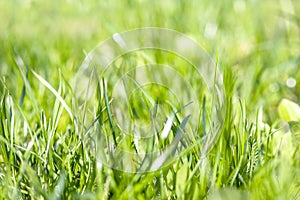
(240, 140)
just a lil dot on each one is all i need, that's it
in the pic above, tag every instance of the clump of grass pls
(42, 158)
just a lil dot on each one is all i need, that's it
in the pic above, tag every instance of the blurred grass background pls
(258, 39)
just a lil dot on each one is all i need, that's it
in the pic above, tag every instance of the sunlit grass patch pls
(61, 141)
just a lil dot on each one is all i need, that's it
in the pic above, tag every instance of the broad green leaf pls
(295, 129)
(289, 110)
(196, 192)
(181, 178)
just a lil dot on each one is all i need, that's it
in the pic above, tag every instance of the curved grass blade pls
(57, 95)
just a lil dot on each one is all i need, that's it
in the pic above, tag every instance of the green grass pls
(53, 143)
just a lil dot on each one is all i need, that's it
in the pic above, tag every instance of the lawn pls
(150, 99)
